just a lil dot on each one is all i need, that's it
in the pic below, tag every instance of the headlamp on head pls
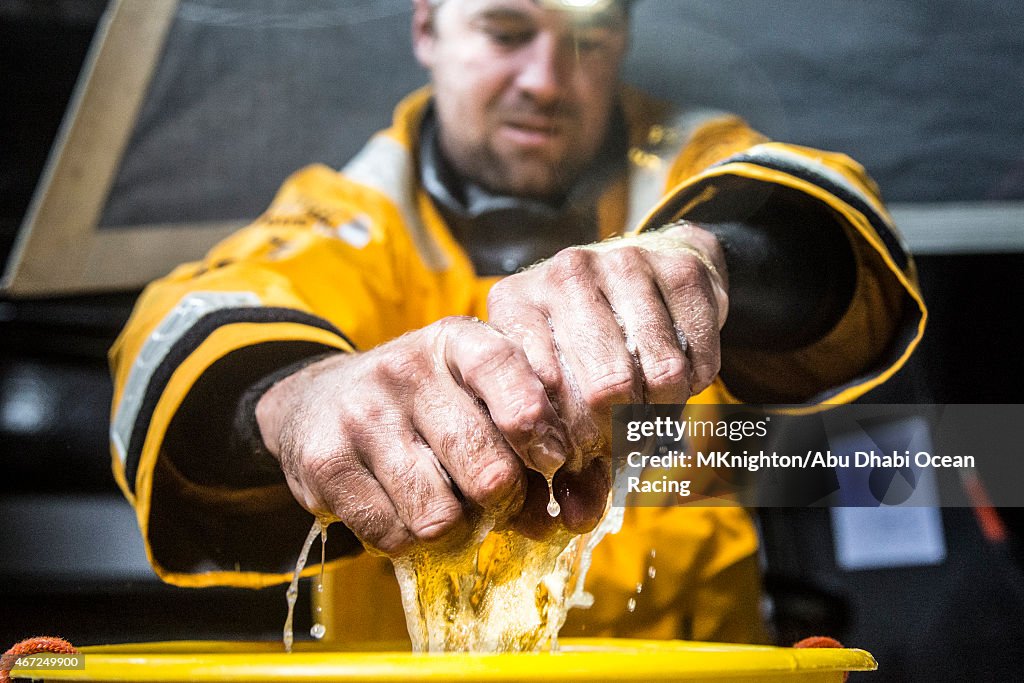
(580, 6)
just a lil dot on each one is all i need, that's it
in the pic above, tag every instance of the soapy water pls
(292, 593)
(318, 630)
(496, 594)
(502, 592)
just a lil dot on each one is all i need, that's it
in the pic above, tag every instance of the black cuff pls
(246, 437)
(219, 499)
(792, 271)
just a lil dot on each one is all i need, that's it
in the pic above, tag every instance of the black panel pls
(923, 93)
(42, 47)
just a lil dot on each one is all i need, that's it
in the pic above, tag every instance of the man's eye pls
(508, 38)
(585, 43)
(507, 34)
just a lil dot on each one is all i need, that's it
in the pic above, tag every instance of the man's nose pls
(544, 70)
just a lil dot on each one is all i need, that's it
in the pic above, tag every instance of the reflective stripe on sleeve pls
(172, 328)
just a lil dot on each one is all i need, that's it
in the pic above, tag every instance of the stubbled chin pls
(525, 170)
(528, 180)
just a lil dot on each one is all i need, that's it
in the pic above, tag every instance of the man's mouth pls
(532, 131)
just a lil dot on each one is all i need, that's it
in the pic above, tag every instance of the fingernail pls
(584, 496)
(547, 456)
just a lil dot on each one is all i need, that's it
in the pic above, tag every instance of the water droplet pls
(653, 553)
(292, 593)
(639, 588)
(318, 631)
(631, 604)
(651, 571)
(554, 509)
(323, 557)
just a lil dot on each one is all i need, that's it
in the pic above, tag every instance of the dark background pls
(925, 94)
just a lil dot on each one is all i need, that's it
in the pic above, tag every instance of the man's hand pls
(395, 441)
(382, 440)
(626, 321)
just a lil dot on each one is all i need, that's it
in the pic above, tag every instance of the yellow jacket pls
(347, 260)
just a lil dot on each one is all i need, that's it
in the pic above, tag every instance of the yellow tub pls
(580, 659)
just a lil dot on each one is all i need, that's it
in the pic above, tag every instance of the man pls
(338, 340)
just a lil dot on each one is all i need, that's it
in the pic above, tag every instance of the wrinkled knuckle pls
(404, 471)
(625, 260)
(448, 331)
(449, 442)
(669, 372)
(690, 270)
(520, 417)
(390, 540)
(361, 416)
(487, 357)
(327, 475)
(494, 483)
(614, 383)
(375, 526)
(405, 363)
(435, 520)
(569, 265)
(692, 285)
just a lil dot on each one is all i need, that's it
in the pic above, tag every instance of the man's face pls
(523, 94)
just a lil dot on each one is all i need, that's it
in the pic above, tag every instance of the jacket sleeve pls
(727, 172)
(201, 338)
